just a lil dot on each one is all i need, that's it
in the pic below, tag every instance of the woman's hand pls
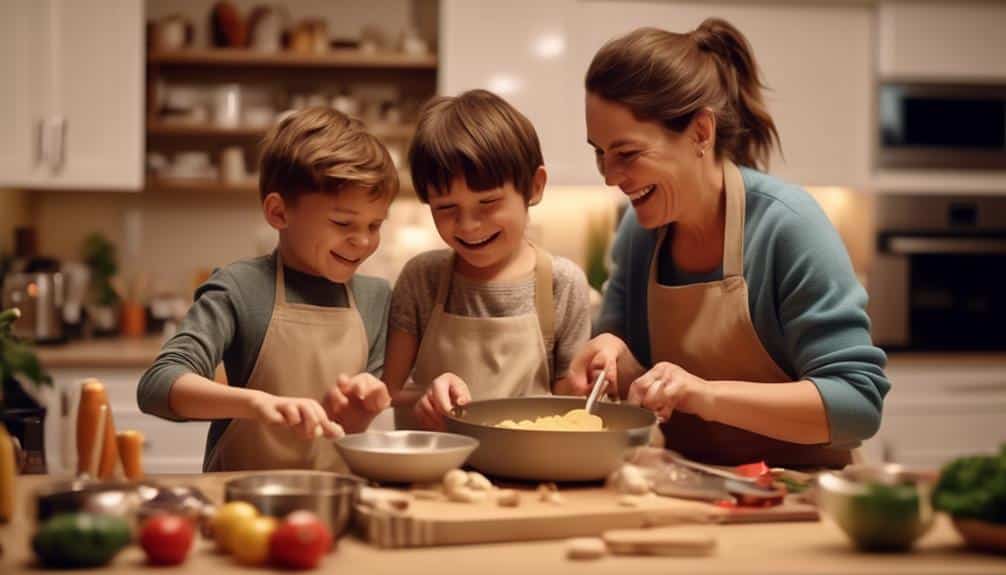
(355, 401)
(668, 388)
(607, 353)
(446, 392)
(305, 416)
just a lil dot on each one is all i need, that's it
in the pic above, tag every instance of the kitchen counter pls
(101, 353)
(780, 548)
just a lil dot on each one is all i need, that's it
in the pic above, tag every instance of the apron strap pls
(543, 298)
(281, 286)
(733, 232)
(280, 283)
(733, 238)
(444, 286)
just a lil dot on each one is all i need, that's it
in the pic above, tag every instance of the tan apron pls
(706, 329)
(496, 356)
(305, 349)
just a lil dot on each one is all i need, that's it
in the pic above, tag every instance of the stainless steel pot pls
(549, 455)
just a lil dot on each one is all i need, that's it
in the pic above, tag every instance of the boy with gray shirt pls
(301, 337)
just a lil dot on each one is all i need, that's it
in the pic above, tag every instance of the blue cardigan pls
(806, 304)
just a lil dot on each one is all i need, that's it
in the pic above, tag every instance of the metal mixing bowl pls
(549, 455)
(332, 496)
(404, 456)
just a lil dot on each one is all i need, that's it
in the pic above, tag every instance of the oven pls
(938, 281)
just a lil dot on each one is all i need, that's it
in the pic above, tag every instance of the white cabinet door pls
(817, 60)
(21, 108)
(78, 73)
(528, 55)
(942, 41)
(941, 408)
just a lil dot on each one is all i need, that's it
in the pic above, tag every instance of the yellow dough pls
(574, 420)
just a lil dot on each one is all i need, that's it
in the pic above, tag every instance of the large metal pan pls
(549, 455)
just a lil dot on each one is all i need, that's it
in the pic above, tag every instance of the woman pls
(726, 279)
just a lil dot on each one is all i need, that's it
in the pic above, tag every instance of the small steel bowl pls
(331, 496)
(120, 498)
(404, 456)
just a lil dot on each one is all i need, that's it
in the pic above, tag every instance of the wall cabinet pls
(71, 107)
(942, 41)
(817, 60)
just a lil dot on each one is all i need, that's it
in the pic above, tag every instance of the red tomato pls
(300, 541)
(753, 470)
(167, 539)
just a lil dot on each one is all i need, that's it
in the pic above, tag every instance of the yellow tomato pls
(250, 540)
(227, 520)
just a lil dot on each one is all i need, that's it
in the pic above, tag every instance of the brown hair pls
(667, 77)
(477, 135)
(322, 150)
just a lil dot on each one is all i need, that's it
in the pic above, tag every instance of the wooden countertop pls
(780, 548)
(99, 353)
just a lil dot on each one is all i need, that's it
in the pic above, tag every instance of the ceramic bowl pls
(880, 508)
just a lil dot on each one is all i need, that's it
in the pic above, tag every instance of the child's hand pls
(599, 354)
(306, 416)
(355, 401)
(444, 393)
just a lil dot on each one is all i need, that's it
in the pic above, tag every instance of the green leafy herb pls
(974, 488)
(17, 359)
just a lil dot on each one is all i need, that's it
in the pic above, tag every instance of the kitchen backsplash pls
(175, 238)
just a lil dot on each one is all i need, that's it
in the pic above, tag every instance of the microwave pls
(941, 126)
(936, 282)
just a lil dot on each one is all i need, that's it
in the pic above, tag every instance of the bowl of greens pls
(879, 507)
(972, 490)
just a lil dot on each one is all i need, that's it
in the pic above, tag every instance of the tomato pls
(167, 539)
(753, 470)
(228, 518)
(250, 540)
(300, 541)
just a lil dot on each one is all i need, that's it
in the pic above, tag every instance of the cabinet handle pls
(42, 142)
(59, 126)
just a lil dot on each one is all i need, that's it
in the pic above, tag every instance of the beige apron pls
(496, 356)
(706, 329)
(305, 349)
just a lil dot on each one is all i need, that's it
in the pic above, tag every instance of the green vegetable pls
(17, 359)
(974, 488)
(80, 540)
(792, 485)
(886, 517)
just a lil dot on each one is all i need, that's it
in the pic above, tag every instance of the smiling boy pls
(301, 337)
(494, 315)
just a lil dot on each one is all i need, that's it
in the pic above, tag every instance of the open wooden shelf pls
(213, 186)
(159, 128)
(344, 58)
(199, 185)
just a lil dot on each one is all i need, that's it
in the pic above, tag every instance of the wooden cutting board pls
(587, 511)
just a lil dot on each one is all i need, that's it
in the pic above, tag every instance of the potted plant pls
(21, 414)
(100, 256)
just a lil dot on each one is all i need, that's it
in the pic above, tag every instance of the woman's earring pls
(702, 153)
